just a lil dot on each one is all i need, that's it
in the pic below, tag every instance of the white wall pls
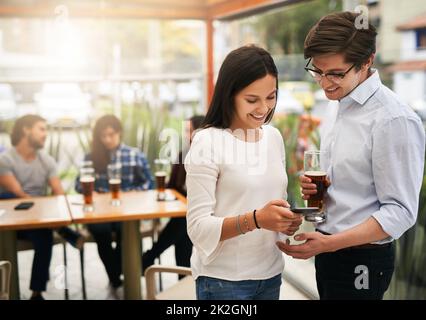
(394, 13)
(349, 5)
(410, 86)
(408, 47)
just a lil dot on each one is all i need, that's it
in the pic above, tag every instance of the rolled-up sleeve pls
(398, 163)
(204, 227)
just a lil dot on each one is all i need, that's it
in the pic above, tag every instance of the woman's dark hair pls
(27, 121)
(99, 154)
(240, 68)
(340, 33)
(196, 122)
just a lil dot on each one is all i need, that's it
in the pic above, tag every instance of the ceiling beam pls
(145, 11)
(237, 9)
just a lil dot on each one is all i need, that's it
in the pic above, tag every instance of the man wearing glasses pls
(375, 148)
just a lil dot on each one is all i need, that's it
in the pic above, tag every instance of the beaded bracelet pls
(246, 223)
(238, 225)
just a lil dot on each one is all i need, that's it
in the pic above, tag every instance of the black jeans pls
(42, 241)
(173, 234)
(110, 256)
(355, 273)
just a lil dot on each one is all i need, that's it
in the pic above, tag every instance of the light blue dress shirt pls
(375, 149)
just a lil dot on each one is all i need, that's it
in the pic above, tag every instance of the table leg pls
(8, 252)
(132, 256)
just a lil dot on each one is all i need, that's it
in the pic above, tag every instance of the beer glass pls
(87, 181)
(314, 171)
(114, 181)
(162, 168)
(86, 164)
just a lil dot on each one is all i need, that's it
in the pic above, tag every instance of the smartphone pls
(305, 211)
(24, 205)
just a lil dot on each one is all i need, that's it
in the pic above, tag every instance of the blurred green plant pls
(6, 125)
(143, 125)
(287, 28)
(290, 128)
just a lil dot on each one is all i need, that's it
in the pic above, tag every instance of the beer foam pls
(315, 173)
(160, 174)
(114, 181)
(86, 179)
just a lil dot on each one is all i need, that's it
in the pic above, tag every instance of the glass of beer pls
(86, 164)
(315, 172)
(114, 181)
(87, 181)
(161, 171)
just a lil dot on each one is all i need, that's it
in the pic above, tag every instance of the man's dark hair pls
(339, 33)
(27, 121)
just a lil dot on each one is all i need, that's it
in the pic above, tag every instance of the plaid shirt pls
(135, 171)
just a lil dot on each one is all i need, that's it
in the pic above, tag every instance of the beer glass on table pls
(162, 168)
(315, 172)
(86, 164)
(87, 181)
(114, 181)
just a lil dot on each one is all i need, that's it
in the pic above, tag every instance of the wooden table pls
(135, 206)
(47, 212)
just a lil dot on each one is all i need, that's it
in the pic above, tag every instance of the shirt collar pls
(364, 90)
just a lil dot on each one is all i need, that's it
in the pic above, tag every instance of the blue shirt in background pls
(135, 171)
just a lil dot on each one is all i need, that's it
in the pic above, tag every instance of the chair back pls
(5, 272)
(184, 289)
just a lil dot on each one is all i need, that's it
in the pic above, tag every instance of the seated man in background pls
(25, 172)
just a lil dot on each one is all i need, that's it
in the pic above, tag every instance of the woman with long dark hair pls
(237, 185)
(107, 148)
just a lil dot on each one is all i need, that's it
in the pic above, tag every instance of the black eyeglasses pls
(335, 77)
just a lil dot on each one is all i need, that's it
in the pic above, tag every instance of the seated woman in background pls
(174, 233)
(107, 148)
